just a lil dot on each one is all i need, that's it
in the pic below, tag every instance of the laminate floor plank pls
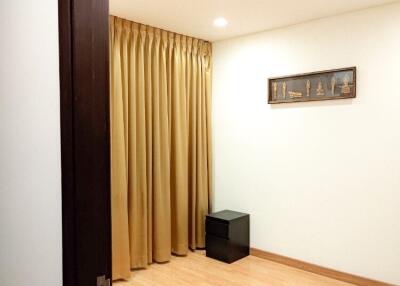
(196, 269)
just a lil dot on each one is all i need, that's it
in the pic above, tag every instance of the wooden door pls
(85, 140)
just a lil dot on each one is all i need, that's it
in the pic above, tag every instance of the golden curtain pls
(160, 144)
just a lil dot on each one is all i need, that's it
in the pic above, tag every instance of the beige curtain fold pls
(160, 144)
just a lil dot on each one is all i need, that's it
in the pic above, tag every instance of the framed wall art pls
(323, 85)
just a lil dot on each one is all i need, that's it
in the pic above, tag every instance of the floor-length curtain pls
(160, 144)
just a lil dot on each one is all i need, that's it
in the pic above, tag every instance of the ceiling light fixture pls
(220, 22)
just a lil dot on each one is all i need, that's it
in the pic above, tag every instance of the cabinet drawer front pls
(217, 248)
(217, 228)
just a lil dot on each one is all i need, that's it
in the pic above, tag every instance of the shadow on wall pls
(313, 103)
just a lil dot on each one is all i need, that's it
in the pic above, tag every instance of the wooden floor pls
(198, 270)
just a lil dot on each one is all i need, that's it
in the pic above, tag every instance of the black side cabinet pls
(227, 235)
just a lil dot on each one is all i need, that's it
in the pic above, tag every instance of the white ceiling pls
(195, 17)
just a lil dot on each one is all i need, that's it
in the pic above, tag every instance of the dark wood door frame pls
(85, 141)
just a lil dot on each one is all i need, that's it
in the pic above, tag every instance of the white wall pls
(320, 180)
(30, 171)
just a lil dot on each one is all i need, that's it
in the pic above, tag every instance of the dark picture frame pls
(314, 86)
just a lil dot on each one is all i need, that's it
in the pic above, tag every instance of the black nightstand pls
(227, 235)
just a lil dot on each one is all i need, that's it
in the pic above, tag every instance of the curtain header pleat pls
(185, 43)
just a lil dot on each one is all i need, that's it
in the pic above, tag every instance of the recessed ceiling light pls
(220, 22)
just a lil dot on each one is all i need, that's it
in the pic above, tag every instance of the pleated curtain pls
(160, 144)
